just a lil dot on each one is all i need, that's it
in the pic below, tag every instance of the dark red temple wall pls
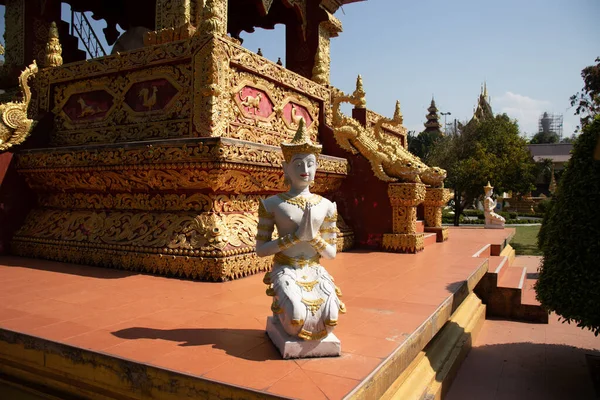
(362, 199)
(16, 200)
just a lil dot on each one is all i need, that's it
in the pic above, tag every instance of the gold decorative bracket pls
(15, 127)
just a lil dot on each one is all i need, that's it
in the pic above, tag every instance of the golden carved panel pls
(182, 233)
(188, 151)
(152, 201)
(85, 115)
(204, 268)
(222, 177)
(277, 127)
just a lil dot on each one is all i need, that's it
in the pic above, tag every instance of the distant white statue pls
(492, 220)
(306, 301)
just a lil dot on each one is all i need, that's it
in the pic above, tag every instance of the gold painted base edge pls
(76, 372)
(431, 372)
(200, 268)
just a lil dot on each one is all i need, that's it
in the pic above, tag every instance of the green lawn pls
(525, 241)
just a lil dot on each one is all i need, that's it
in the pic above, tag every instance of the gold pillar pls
(327, 29)
(404, 198)
(173, 13)
(14, 34)
(214, 18)
(435, 200)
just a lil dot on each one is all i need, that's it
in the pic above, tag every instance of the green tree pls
(588, 100)
(545, 137)
(569, 278)
(488, 150)
(571, 139)
(422, 144)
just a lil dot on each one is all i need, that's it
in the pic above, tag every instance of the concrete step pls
(420, 226)
(429, 239)
(497, 265)
(513, 278)
(531, 264)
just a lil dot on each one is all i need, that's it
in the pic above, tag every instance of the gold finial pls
(53, 48)
(301, 143)
(485, 92)
(488, 186)
(397, 113)
(359, 93)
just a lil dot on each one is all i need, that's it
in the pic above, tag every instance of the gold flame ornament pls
(300, 144)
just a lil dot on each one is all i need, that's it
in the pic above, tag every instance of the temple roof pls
(483, 110)
(432, 124)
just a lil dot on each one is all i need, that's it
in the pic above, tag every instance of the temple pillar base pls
(441, 232)
(404, 199)
(403, 242)
(294, 347)
(494, 226)
(435, 200)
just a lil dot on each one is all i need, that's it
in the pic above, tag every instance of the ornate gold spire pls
(488, 186)
(301, 143)
(397, 113)
(53, 48)
(359, 93)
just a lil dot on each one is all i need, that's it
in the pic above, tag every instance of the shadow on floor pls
(233, 341)
(526, 371)
(66, 268)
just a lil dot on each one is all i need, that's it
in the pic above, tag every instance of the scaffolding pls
(551, 123)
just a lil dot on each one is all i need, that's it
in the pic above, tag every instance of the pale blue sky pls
(530, 53)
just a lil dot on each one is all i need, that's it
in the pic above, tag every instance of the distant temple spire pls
(432, 124)
(483, 110)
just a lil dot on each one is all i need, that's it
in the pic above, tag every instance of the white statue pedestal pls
(493, 226)
(294, 347)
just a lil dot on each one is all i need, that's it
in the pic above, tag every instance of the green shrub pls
(569, 279)
(543, 206)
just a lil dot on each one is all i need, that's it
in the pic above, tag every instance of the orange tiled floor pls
(216, 330)
(521, 361)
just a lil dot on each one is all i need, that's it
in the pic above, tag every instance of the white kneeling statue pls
(492, 220)
(306, 301)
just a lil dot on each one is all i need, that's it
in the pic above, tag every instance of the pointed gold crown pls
(488, 186)
(301, 143)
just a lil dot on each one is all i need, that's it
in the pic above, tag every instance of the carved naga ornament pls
(389, 160)
(15, 127)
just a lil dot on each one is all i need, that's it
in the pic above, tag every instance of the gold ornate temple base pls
(441, 232)
(186, 208)
(404, 198)
(435, 200)
(403, 242)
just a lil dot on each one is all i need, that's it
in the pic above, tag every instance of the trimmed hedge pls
(508, 221)
(569, 278)
(479, 214)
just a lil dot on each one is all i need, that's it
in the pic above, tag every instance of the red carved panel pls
(292, 111)
(150, 95)
(255, 102)
(90, 106)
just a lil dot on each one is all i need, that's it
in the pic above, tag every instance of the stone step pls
(531, 264)
(513, 277)
(429, 238)
(498, 265)
(420, 226)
